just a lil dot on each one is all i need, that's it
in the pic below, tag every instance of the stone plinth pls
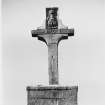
(52, 95)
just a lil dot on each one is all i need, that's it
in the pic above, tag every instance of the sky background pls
(81, 58)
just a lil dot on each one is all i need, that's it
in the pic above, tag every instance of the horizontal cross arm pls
(37, 32)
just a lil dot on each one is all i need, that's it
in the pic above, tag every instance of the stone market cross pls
(52, 35)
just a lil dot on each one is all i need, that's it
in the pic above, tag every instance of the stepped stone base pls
(52, 95)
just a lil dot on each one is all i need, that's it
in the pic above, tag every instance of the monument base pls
(52, 95)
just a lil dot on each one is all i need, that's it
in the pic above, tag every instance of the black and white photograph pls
(52, 52)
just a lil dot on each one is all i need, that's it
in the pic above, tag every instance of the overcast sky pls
(81, 58)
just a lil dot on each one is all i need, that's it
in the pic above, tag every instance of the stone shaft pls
(53, 63)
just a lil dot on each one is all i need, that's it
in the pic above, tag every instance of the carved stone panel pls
(51, 18)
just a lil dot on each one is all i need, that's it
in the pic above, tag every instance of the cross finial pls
(52, 35)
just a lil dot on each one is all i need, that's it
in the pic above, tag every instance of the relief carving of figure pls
(51, 19)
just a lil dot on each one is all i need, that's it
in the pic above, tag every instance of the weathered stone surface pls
(52, 95)
(37, 32)
(52, 40)
(51, 18)
(52, 35)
